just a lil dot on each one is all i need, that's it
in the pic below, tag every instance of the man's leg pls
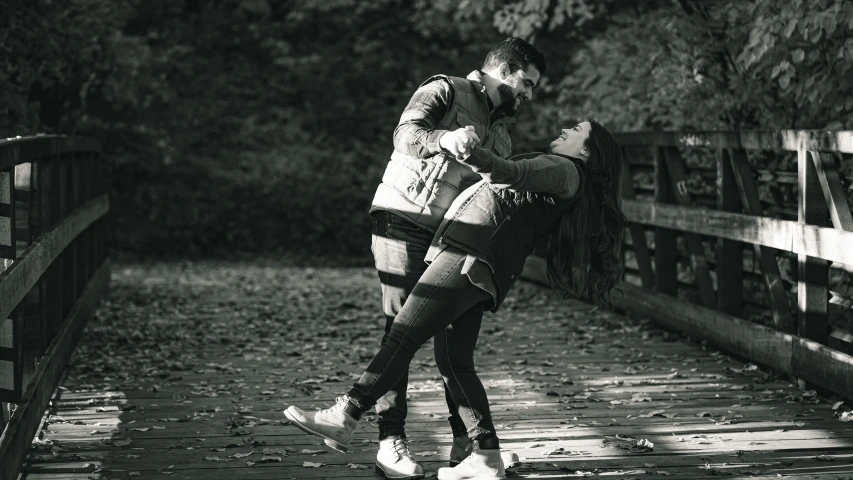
(441, 295)
(399, 248)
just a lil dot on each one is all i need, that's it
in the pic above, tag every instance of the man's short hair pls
(516, 52)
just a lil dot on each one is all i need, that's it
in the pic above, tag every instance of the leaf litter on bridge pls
(250, 333)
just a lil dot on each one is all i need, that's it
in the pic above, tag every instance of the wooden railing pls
(52, 206)
(697, 283)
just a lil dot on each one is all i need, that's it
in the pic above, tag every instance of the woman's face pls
(572, 140)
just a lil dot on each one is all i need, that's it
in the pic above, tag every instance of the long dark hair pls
(585, 256)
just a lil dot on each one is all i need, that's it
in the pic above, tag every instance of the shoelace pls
(401, 448)
(338, 402)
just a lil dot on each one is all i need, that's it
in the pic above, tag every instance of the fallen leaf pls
(312, 464)
(427, 453)
(643, 446)
(218, 459)
(312, 452)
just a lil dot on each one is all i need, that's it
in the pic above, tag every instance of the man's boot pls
(335, 424)
(462, 448)
(395, 461)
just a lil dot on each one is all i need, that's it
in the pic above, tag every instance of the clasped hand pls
(460, 142)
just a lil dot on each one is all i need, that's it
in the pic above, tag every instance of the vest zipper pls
(499, 226)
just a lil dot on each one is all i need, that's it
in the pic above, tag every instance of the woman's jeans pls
(443, 304)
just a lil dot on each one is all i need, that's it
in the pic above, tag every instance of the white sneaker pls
(479, 464)
(332, 424)
(394, 460)
(462, 448)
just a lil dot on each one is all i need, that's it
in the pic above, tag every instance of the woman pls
(568, 196)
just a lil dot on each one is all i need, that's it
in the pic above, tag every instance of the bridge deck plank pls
(559, 377)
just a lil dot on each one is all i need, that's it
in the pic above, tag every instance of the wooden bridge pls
(728, 356)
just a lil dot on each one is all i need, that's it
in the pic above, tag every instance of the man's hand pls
(460, 142)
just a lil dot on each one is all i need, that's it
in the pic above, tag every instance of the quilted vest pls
(422, 189)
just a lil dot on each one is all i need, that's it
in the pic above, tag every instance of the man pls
(443, 120)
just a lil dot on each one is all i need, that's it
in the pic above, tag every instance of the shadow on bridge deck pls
(186, 369)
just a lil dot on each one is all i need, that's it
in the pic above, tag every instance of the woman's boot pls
(462, 448)
(484, 462)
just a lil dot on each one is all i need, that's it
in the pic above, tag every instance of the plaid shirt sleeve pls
(548, 174)
(416, 135)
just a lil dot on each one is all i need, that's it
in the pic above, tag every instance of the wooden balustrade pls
(821, 238)
(53, 200)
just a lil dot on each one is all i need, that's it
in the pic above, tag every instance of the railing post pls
(7, 217)
(777, 299)
(698, 262)
(833, 194)
(638, 233)
(812, 273)
(729, 252)
(666, 273)
(66, 288)
(5, 414)
(10, 368)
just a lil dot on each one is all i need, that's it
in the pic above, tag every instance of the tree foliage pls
(691, 64)
(267, 123)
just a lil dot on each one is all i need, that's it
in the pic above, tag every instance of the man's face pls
(517, 87)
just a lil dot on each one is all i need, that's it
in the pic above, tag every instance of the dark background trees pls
(264, 125)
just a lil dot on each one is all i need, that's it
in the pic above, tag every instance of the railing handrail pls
(53, 200)
(18, 150)
(801, 342)
(789, 140)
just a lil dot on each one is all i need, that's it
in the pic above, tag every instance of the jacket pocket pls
(399, 224)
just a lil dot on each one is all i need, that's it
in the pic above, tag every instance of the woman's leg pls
(454, 355)
(442, 294)
(457, 425)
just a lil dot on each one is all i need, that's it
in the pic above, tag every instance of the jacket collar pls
(476, 79)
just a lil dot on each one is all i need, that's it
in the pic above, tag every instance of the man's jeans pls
(443, 304)
(399, 248)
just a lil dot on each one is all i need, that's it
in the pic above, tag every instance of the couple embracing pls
(454, 219)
